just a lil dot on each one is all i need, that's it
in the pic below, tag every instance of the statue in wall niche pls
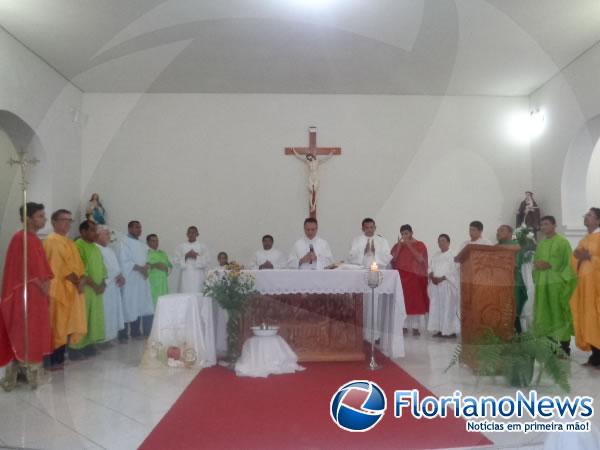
(529, 213)
(95, 210)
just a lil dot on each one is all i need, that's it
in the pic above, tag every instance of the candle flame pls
(374, 267)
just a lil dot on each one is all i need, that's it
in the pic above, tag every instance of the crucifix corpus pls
(313, 156)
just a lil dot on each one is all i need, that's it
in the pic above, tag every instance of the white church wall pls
(562, 155)
(46, 102)
(217, 161)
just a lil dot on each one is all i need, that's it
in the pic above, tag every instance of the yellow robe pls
(585, 301)
(67, 304)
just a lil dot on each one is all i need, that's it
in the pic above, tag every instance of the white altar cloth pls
(185, 319)
(392, 312)
(266, 355)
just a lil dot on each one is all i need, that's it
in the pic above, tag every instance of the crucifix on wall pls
(313, 156)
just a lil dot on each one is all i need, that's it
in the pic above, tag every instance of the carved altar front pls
(318, 327)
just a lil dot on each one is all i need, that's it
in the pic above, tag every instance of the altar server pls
(67, 303)
(555, 281)
(113, 303)
(12, 322)
(443, 289)
(95, 285)
(268, 257)
(137, 299)
(160, 266)
(192, 258)
(409, 258)
(585, 300)
(475, 235)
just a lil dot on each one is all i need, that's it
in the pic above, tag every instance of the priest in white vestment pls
(310, 252)
(369, 247)
(113, 303)
(192, 259)
(268, 257)
(137, 297)
(365, 249)
(443, 289)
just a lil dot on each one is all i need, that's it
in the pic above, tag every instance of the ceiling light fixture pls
(313, 4)
(537, 122)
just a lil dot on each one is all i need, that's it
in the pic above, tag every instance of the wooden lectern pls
(487, 289)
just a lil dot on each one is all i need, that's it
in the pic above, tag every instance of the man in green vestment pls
(504, 234)
(160, 267)
(95, 276)
(555, 281)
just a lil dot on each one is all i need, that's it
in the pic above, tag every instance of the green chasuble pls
(159, 283)
(520, 288)
(553, 289)
(94, 304)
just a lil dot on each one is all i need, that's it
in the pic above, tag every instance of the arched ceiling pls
(425, 47)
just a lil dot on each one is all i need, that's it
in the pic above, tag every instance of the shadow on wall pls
(15, 134)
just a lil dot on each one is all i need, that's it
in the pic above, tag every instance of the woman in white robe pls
(443, 289)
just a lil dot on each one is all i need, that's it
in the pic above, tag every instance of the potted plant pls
(515, 359)
(231, 289)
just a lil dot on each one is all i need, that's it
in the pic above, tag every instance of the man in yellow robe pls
(585, 301)
(67, 304)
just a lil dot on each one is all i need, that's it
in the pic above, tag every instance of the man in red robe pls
(12, 318)
(409, 257)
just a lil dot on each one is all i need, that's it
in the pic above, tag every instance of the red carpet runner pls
(221, 411)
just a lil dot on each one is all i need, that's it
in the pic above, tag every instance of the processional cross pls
(310, 156)
(24, 162)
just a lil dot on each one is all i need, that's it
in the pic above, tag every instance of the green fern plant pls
(515, 359)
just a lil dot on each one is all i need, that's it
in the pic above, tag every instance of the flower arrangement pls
(231, 289)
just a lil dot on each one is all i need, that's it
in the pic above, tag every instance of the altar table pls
(320, 312)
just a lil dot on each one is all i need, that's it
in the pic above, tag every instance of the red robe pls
(413, 275)
(12, 329)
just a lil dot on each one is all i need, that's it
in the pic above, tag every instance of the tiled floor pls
(109, 402)
(105, 402)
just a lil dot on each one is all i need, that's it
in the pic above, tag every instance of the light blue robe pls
(137, 297)
(113, 303)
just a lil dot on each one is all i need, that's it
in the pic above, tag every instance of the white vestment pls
(480, 241)
(137, 298)
(382, 251)
(113, 302)
(444, 298)
(302, 247)
(382, 257)
(274, 256)
(192, 270)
